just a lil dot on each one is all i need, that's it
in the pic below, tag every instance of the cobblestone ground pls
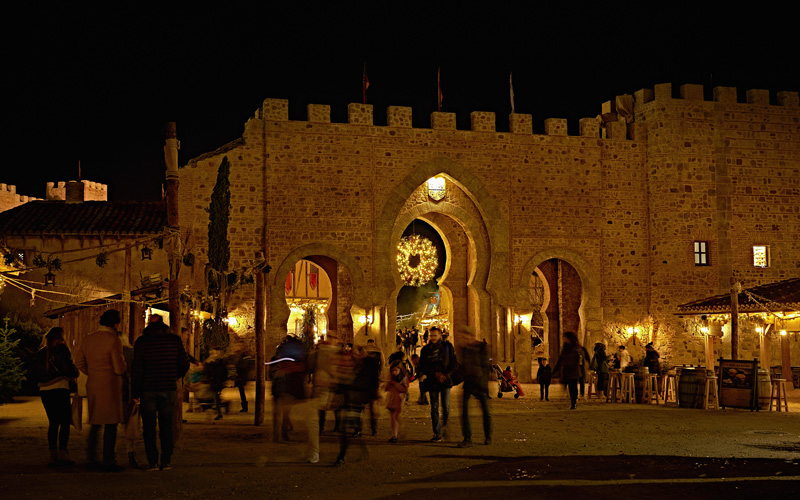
(539, 449)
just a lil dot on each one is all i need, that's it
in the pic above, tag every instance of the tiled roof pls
(86, 218)
(784, 293)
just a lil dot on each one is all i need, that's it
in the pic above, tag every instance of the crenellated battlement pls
(9, 198)
(615, 121)
(92, 191)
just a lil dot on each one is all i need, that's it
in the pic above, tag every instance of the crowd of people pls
(154, 377)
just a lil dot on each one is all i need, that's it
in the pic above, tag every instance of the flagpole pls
(439, 89)
(511, 89)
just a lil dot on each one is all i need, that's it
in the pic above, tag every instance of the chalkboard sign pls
(738, 385)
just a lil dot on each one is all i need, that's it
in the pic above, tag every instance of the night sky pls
(98, 84)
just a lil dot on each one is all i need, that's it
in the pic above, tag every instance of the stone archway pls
(462, 224)
(357, 306)
(590, 311)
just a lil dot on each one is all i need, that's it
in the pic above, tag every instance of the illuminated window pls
(760, 256)
(701, 253)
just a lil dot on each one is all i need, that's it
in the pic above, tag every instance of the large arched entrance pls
(462, 284)
(347, 304)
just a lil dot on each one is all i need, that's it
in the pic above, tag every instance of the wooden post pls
(173, 250)
(261, 317)
(786, 362)
(126, 297)
(735, 289)
(764, 349)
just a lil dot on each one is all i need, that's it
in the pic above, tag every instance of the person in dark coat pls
(476, 370)
(600, 366)
(55, 372)
(437, 363)
(569, 362)
(159, 360)
(544, 375)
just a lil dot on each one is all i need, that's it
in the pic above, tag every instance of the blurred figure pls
(322, 370)
(158, 362)
(288, 377)
(437, 363)
(243, 364)
(544, 375)
(215, 374)
(423, 397)
(476, 368)
(127, 402)
(353, 386)
(396, 388)
(583, 367)
(372, 379)
(569, 362)
(600, 366)
(56, 374)
(101, 358)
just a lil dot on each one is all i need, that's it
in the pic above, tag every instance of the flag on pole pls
(289, 283)
(364, 83)
(439, 85)
(511, 89)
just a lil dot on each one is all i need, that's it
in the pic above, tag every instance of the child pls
(544, 375)
(512, 380)
(395, 388)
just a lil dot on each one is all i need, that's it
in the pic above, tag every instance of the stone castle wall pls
(626, 199)
(10, 199)
(92, 191)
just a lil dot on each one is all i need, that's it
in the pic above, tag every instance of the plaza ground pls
(539, 450)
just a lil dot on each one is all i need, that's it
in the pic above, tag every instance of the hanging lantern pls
(147, 253)
(50, 278)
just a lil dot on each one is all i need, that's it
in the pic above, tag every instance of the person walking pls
(569, 362)
(375, 368)
(56, 374)
(100, 358)
(437, 364)
(476, 370)
(584, 369)
(159, 360)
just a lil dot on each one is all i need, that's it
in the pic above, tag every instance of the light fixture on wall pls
(49, 278)
(147, 253)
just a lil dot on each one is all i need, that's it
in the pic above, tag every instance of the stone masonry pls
(622, 204)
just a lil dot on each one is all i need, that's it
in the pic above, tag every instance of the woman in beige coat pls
(100, 357)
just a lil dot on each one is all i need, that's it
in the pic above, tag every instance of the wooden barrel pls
(640, 375)
(691, 383)
(764, 389)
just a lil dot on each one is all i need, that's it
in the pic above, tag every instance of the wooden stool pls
(711, 398)
(592, 388)
(650, 392)
(614, 385)
(778, 394)
(628, 393)
(670, 389)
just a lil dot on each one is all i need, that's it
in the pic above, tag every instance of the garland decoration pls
(416, 260)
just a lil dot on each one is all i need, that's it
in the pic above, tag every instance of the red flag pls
(313, 276)
(364, 84)
(439, 85)
(289, 283)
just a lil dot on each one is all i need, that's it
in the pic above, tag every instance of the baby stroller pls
(503, 384)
